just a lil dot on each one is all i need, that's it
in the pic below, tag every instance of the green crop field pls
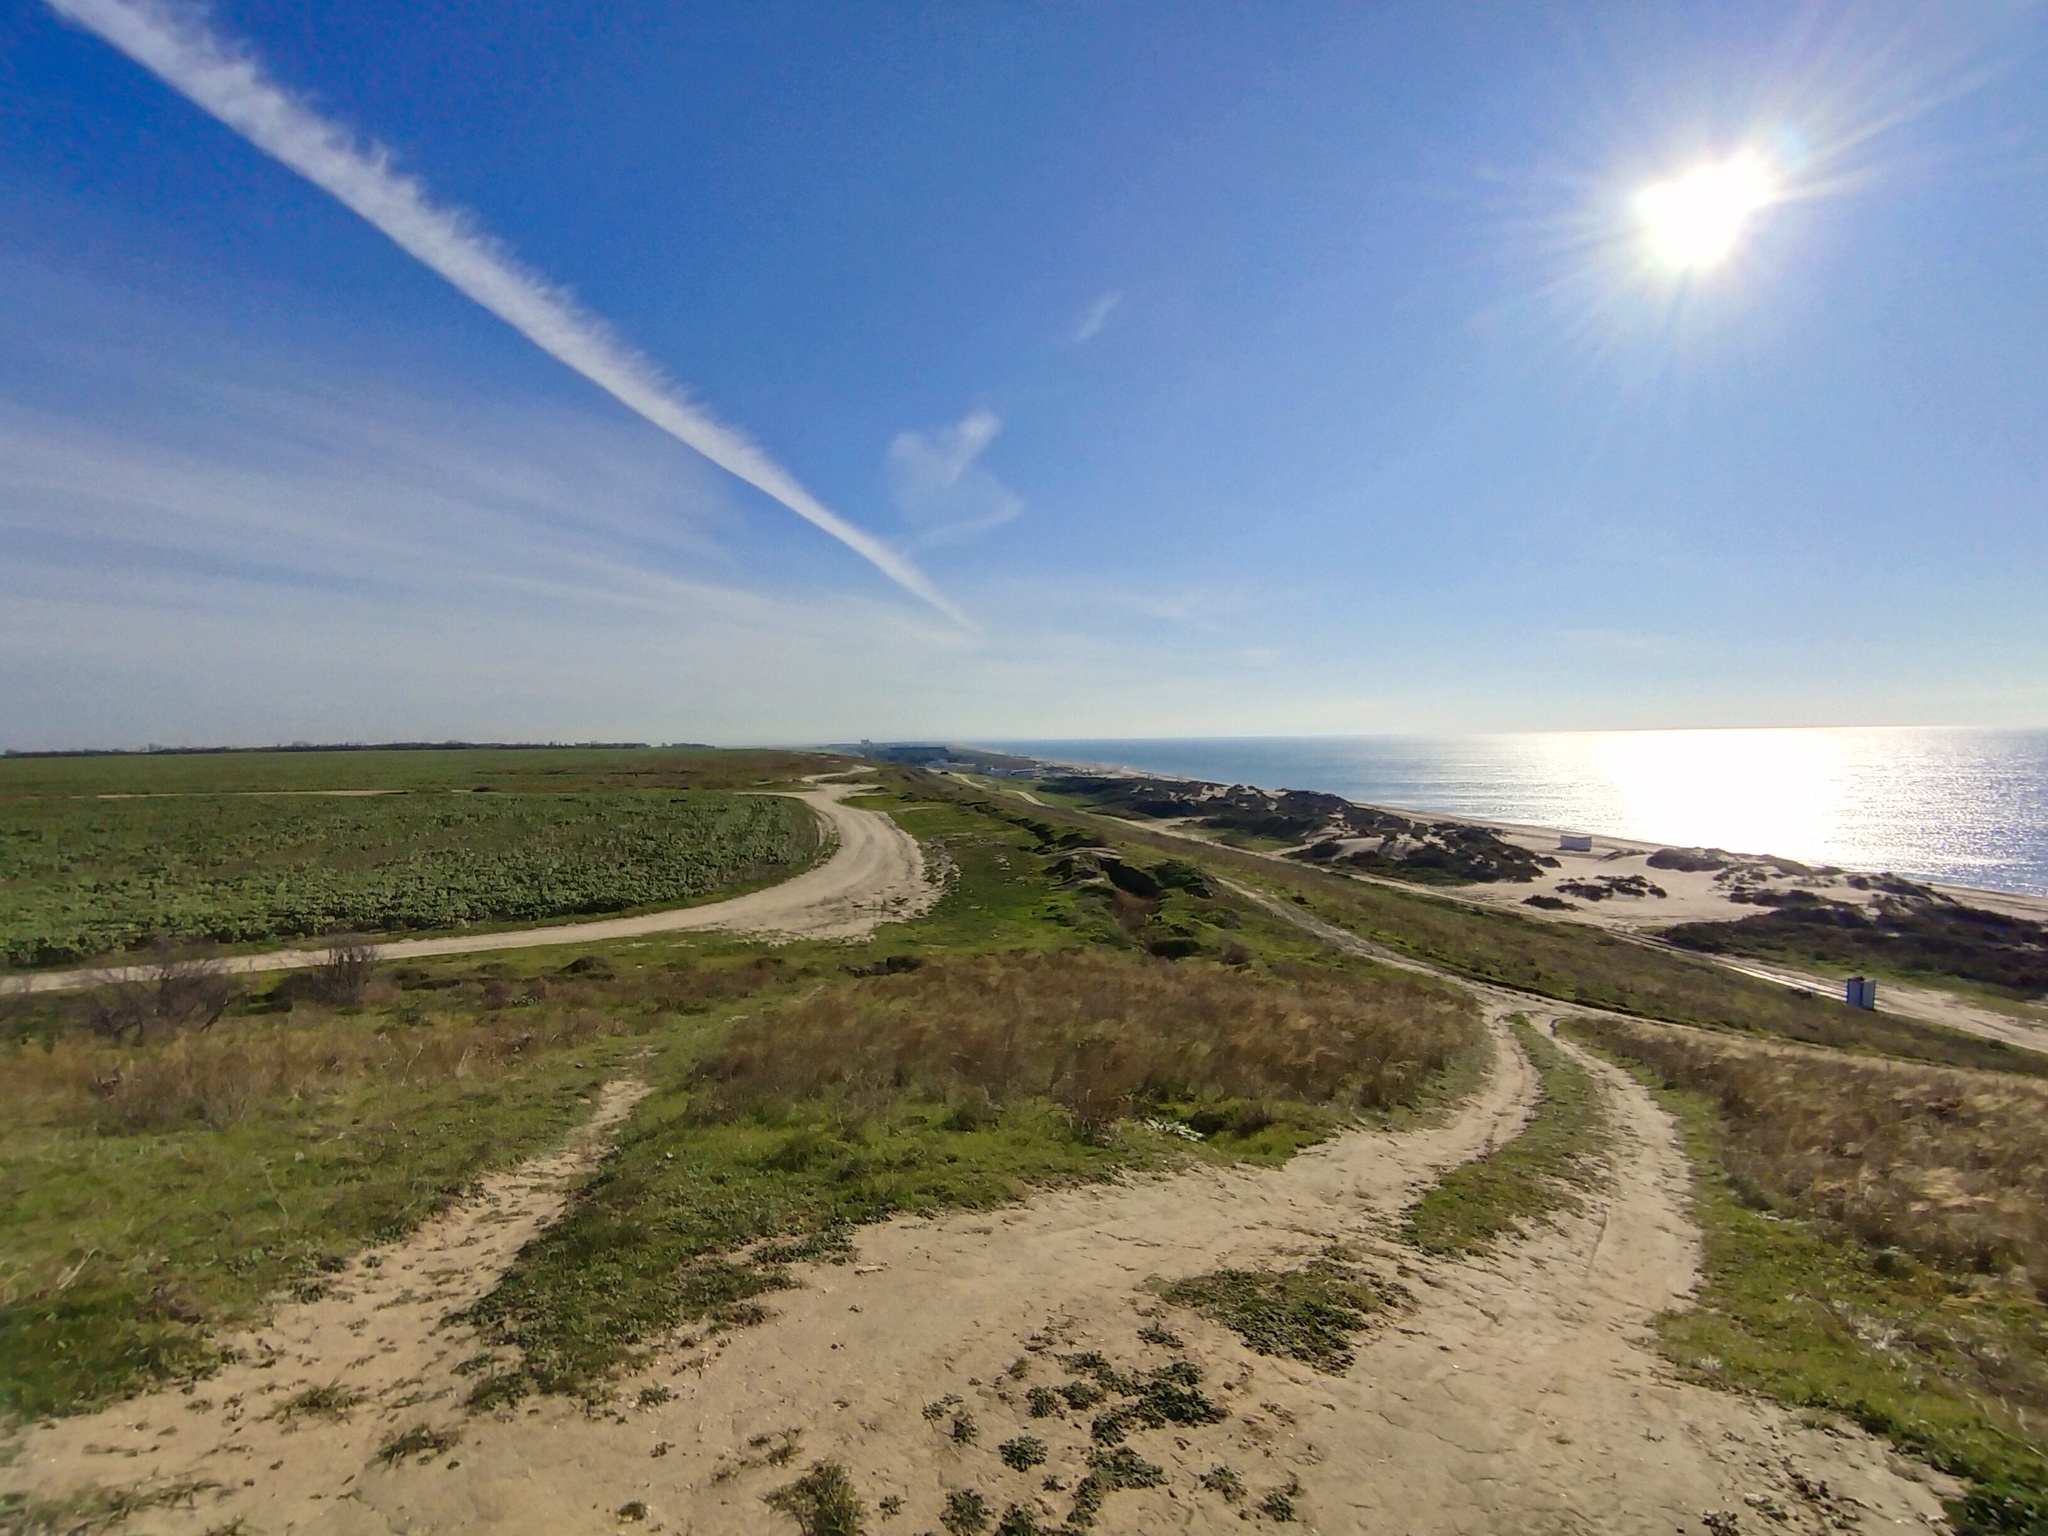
(394, 845)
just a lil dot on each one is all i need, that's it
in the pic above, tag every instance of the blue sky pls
(1227, 368)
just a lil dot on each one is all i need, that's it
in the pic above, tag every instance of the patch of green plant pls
(332, 1401)
(81, 877)
(1814, 1319)
(1108, 1472)
(1278, 1505)
(1538, 1172)
(822, 1502)
(1223, 1482)
(420, 1440)
(1023, 1453)
(1310, 1314)
(123, 1255)
(1170, 1395)
(965, 1513)
(316, 770)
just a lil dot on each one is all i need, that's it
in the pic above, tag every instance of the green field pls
(299, 844)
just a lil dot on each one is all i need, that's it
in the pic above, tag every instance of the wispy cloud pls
(1097, 316)
(938, 486)
(224, 80)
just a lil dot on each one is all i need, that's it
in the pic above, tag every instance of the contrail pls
(229, 84)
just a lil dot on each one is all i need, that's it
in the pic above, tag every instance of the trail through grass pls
(1571, 962)
(154, 1194)
(962, 1084)
(1831, 1282)
(1310, 1314)
(1540, 1171)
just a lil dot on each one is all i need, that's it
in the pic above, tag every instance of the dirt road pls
(875, 874)
(1519, 1392)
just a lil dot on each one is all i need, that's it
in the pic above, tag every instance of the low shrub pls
(1096, 1034)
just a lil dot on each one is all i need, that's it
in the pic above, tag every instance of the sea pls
(1963, 807)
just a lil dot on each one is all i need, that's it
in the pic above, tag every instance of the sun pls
(1693, 221)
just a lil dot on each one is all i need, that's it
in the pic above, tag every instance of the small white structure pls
(1860, 992)
(1575, 842)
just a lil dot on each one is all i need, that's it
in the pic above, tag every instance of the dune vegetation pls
(1876, 1245)
(175, 1161)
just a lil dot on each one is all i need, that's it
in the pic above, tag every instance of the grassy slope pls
(1570, 962)
(181, 1213)
(681, 1197)
(1797, 1309)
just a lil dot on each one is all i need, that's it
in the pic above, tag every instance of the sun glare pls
(1693, 221)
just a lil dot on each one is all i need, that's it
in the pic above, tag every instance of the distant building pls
(1575, 842)
(1860, 992)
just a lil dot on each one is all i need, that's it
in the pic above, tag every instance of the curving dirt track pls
(875, 875)
(1518, 1392)
(1514, 1393)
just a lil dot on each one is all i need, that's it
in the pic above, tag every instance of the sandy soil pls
(876, 874)
(1515, 1393)
(378, 1333)
(2022, 1024)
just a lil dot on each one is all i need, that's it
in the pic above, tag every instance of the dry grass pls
(285, 1047)
(1876, 1245)
(223, 1076)
(1096, 1034)
(1949, 1166)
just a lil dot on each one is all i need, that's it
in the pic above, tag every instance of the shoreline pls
(2028, 905)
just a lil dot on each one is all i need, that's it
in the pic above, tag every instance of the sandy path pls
(849, 1360)
(1524, 1393)
(875, 875)
(1516, 1393)
(378, 1333)
(2026, 1025)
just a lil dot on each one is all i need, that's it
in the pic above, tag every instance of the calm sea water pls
(1968, 807)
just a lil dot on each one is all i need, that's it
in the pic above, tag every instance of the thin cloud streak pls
(233, 88)
(1097, 317)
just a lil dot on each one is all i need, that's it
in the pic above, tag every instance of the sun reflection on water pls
(1970, 807)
